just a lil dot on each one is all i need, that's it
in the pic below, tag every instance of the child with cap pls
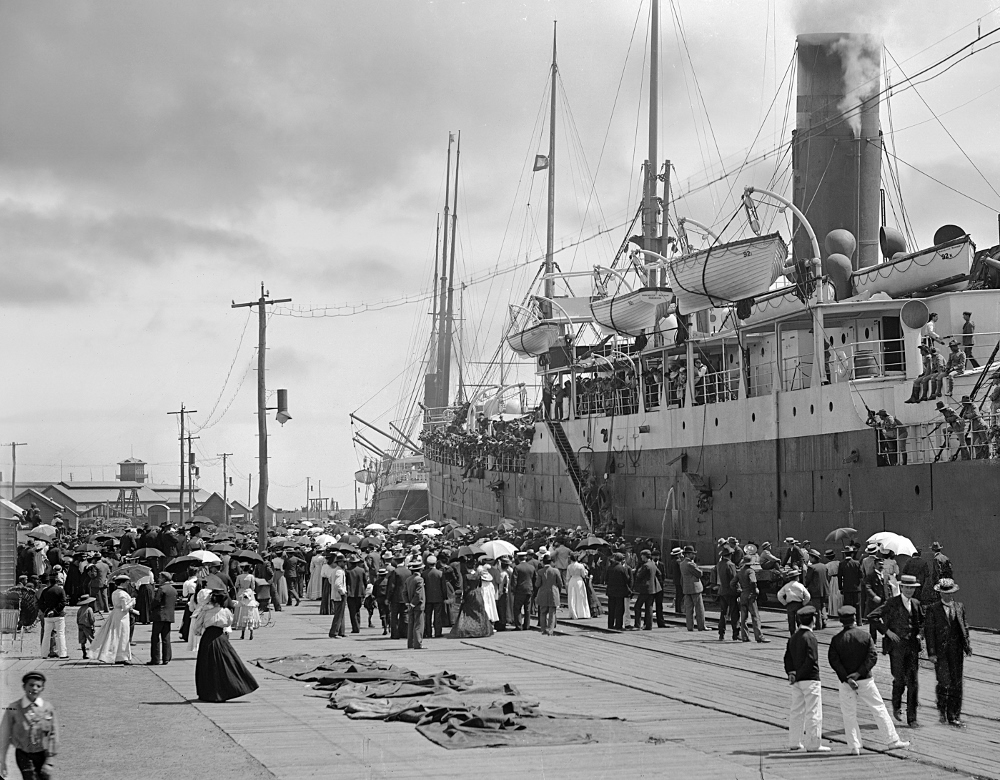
(85, 622)
(30, 725)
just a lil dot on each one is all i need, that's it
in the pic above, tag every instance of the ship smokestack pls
(837, 146)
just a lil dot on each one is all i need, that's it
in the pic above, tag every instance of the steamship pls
(732, 388)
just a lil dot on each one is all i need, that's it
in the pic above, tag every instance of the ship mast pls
(650, 206)
(449, 320)
(550, 228)
(443, 348)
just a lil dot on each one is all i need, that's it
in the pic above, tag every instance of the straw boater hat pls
(946, 585)
(909, 581)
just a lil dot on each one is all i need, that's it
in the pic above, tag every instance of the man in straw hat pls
(852, 656)
(900, 620)
(947, 635)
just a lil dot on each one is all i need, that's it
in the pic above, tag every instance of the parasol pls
(591, 542)
(898, 544)
(324, 539)
(315, 530)
(202, 520)
(345, 547)
(416, 528)
(204, 556)
(222, 547)
(466, 550)
(375, 527)
(147, 552)
(428, 521)
(840, 534)
(280, 530)
(432, 532)
(248, 555)
(367, 544)
(182, 563)
(44, 532)
(133, 571)
(498, 547)
(351, 539)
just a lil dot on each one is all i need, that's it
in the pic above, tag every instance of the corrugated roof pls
(99, 493)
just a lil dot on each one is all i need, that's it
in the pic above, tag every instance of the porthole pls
(812, 409)
(916, 489)
(831, 406)
(753, 417)
(762, 352)
(784, 493)
(794, 411)
(643, 493)
(730, 493)
(732, 358)
(716, 422)
(867, 334)
(840, 492)
(683, 425)
(843, 338)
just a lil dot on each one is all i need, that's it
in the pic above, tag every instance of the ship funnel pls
(837, 146)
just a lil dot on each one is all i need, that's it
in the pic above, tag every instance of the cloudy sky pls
(159, 160)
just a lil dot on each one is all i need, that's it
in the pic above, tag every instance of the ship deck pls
(717, 709)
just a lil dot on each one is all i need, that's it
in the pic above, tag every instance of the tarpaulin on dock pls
(450, 710)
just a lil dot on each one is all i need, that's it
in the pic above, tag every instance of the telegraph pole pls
(13, 463)
(191, 475)
(180, 496)
(225, 486)
(261, 303)
(308, 497)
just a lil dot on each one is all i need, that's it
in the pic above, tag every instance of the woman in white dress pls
(111, 645)
(576, 590)
(489, 595)
(314, 590)
(200, 599)
(279, 583)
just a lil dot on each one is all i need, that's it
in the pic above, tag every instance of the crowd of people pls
(418, 587)
(489, 444)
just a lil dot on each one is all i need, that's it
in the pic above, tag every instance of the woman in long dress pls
(200, 599)
(219, 674)
(576, 590)
(279, 582)
(144, 599)
(111, 644)
(834, 598)
(489, 595)
(472, 618)
(314, 590)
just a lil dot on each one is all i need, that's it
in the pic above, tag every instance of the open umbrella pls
(395, 523)
(898, 544)
(374, 527)
(508, 525)
(351, 539)
(432, 532)
(44, 532)
(344, 547)
(498, 547)
(457, 532)
(315, 531)
(204, 556)
(324, 539)
(840, 534)
(416, 528)
(248, 556)
(147, 552)
(224, 547)
(590, 542)
(466, 550)
(202, 520)
(367, 544)
(290, 543)
(134, 571)
(428, 521)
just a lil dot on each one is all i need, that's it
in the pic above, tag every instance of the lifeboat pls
(535, 340)
(943, 267)
(782, 303)
(726, 273)
(632, 312)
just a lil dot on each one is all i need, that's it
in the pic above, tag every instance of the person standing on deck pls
(619, 589)
(645, 586)
(674, 570)
(849, 578)
(416, 602)
(805, 713)
(729, 604)
(969, 337)
(900, 621)
(792, 595)
(947, 633)
(548, 581)
(817, 585)
(852, 656)
(694, 604)
(746, 583)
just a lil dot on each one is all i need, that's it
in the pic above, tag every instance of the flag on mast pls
(541, 163)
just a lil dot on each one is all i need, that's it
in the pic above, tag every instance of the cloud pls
(60, 255)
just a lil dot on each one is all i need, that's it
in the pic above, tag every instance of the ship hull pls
(813, 483)
(406, 503)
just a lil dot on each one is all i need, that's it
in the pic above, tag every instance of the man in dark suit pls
(746, 584)
(923, 570)
(805, 715)
(900, 620)
(646, 584)
(849, 578)
(729, 603)
(852, 656)
(661, 577)
(357, 583)
(523, 584)
(549, 584)
(618, 586)
(164, 601)
(416, 602)
(947, 633)
(395, 592)
(818, 586)
(674, 570)
(434, 590)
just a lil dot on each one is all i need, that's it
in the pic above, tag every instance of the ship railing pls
(868, 359)
(718, 387)
(607, 402)
(760, 378)
(939, 442)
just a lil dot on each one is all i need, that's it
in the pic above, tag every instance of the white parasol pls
(432, 532)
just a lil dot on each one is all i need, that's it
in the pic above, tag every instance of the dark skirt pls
(472, 618)
(220, 674)
(144, 603)
(326, 598)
